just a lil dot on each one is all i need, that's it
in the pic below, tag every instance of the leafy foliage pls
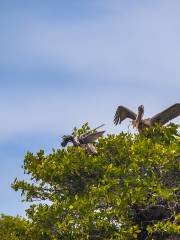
(129, 190)
(12, 228)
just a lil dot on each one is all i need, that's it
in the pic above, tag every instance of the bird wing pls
(123, 113)
(90, 138)
(93, 130)
(167, 115)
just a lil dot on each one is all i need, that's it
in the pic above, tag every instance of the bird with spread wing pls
(161, 118)
(85, 140)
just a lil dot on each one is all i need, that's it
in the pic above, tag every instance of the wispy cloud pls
(139, 45)
(68, 62)
(129, 53)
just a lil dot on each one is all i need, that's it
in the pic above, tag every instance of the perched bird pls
(85, 140)
(161, 118)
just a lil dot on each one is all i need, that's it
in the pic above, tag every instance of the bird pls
(138, 122)
(84, 140)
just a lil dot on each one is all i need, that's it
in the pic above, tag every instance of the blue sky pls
(63, 63)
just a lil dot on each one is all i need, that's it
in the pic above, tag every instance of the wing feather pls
(123, 113)
(90, 138)
(167, 115)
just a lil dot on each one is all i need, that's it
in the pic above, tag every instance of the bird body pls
(85, 140)
(161, 118)
(89, 148)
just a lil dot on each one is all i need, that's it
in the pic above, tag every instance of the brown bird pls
(161, 118)
(85, 140)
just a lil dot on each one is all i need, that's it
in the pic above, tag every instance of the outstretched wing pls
(93, 130)
(91, 137)
(123, 113)
(166, 115)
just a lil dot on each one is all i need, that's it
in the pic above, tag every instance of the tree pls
(129, 190)
(12, 228)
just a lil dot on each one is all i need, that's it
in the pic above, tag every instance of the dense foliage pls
(12, 228)
(129, 190)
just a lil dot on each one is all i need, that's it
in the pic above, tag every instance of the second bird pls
(85, 140)
(140, 123)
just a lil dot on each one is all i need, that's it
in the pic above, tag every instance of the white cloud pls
(141, 44)
(56, 112)
(138, 49)
(129, 55)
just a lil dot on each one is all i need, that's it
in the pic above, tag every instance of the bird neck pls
(138, 118)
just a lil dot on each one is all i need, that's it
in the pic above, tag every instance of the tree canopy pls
(13, 228)
(129, 190)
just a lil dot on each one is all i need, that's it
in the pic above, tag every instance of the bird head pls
(141, 110)
(66, 139)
